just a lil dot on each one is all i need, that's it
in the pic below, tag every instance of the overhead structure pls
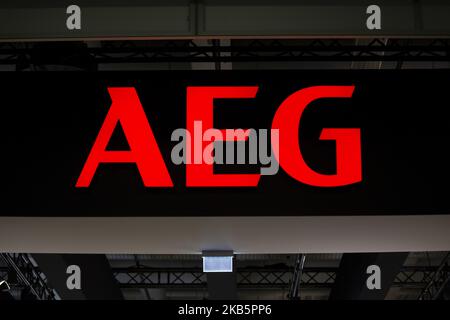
(254, 278)
(28, 275)
(79, 55)
(297, 277)
(353, 277)
(96, 279)
(439, 281)
(178, 19)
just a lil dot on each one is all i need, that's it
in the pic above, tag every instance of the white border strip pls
(192, 235)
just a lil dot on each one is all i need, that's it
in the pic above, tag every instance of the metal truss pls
(297, 277)
(438, 282)
(27, 274)
(238, 51)
(3, 273)
(431, 280)
(252, 278)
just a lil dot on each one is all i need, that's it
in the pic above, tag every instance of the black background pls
(158, 309)
(50, 120)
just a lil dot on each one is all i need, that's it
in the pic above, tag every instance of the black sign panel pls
(51, 122)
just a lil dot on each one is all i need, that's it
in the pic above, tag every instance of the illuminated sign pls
(144, 151)
(252, 143)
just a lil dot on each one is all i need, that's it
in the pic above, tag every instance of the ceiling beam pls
(97, 281)
(29, 20)
(353, 273)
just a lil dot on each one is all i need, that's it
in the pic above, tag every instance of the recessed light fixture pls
(217, 261)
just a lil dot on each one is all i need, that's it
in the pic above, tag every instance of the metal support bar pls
(438, 282)
(29, 275)
(96, 279)
(250, 278)
(238, 51)
(247, 278)
(352, 279)
(297, 277)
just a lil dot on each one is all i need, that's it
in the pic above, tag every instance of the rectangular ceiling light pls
(217, 261)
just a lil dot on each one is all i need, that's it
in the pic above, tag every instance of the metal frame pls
(28, 275)
(251, 51)
(433, 280)
(252, 278)
(4, 273)
(429, 279)
(438, 282)
(297, 277)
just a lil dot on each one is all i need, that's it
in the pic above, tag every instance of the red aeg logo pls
(145, 153)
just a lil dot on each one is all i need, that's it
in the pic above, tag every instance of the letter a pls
(74, 280)
(374, 280)
(144, 150)
(73, 21)
(373, 22)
